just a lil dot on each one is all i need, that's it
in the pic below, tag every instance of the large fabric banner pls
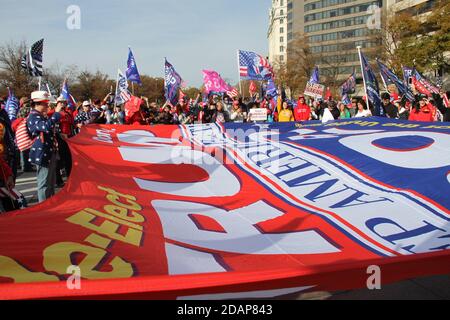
(236, 211)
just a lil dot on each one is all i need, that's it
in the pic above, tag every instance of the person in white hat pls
(45, 147)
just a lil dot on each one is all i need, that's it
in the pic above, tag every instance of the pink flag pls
(213, 82)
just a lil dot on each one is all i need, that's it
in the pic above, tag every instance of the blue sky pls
(192, 34)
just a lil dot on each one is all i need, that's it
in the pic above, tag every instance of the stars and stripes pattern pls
(253, 66)
(32, 61)
(24, 142)
(125, 96)
(431, 88)
(446, 101)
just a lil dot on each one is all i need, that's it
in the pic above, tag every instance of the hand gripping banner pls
(236, 211)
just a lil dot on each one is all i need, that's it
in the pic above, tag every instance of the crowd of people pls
(46, 124)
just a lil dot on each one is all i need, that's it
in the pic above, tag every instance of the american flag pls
(32, 60)
(253, 66)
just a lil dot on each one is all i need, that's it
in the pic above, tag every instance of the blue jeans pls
(46, 180)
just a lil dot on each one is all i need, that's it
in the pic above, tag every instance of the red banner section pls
(171, 212)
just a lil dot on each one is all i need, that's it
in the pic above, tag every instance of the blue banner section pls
(390, 154)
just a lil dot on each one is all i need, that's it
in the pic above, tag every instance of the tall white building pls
(277, 33)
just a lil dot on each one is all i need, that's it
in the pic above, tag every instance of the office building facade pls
(333, 29)
(277, 33)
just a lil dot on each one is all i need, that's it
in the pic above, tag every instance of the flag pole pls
(364, 78)
(48, 89)
(117, 86)
(384, 82)
(39, 83)
(382, 77)
(239, 73)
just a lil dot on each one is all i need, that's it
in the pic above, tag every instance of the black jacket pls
(391, 111)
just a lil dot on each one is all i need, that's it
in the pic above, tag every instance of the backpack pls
(23, 136)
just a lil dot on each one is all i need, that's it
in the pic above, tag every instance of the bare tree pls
(12, 74)
(297, 71)
(56, 74)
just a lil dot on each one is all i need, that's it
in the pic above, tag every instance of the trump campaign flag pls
(407, 74)
(272, 91)
(371, 84)
(253, 66)
(315, 77)
(66, 95)
(123, 95)
(12, 105)
(132, 70)
(390, 77)
(348, 88)
(152, 213)
(423, 85)
(214, 83)
(172, 82)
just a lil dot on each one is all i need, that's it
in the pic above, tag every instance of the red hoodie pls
(302, 112)
(425, 114)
